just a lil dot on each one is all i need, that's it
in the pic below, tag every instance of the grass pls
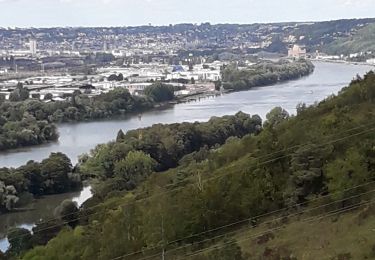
(346, 236)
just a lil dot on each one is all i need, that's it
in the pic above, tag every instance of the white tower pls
(33, 47)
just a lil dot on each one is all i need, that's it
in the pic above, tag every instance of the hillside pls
(301, 188)
(201, 39)
(362, 41)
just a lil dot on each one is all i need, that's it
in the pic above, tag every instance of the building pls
(136, 88)
(297, 51)
(371, 61)
(33, 47)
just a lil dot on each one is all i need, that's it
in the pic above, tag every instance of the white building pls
(51, 80)
(198, 75)
(371, 61)
(136, 88)
(33, 47)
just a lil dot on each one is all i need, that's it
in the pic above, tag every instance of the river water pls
(42, 209)
(79, 138)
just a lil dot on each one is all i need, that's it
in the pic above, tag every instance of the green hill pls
(362, 41)
(301, 188)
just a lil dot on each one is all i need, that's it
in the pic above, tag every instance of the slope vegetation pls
(300, 189)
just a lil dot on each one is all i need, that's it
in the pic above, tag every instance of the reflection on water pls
(43, 209)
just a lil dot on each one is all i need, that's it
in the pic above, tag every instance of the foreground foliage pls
(123, 164)
(237, 181)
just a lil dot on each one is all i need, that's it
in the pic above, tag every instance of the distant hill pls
(361, 41)
(250, 38)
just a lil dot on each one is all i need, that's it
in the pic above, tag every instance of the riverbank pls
(233, 198)
(43, 209)
(343, 62)
(77, 138)
(18, 126)
(264, 74)
(80, 138)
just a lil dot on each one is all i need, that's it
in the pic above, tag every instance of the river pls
(43, 209)
(79, 138)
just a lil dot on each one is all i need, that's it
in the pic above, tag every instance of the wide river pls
(79, 138)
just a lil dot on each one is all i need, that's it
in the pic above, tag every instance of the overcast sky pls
(48, 13)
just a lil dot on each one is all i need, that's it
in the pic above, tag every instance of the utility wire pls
(180, 188)
(176, 183)
(239, 222)
(346, 209)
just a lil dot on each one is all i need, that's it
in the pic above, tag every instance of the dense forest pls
(123, 164)
(53, 175)
(265, 73)
(260, 196)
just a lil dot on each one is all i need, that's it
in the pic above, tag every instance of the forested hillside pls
(362, 41)
(301, 188)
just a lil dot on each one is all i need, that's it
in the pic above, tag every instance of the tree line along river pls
(78, 138)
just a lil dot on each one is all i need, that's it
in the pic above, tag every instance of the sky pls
(50, 13)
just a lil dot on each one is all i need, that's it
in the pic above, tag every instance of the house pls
(297, 51)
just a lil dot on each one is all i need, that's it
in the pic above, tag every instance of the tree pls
(344, 173)
(306, 172)
(55, 170)
(8, 197)
(276, 116)
(218, 85)
(112, 77)
(75, 97)
(68, 212)
(19, 94)
(48, 96)
(160, 92)
(31, 171)
(135, 167)
(120, 77)
(19, 240)
(120, 136)
(44, 231)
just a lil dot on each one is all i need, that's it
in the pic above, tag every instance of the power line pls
(259, 157)
(239, 222)
(180, 188)
(262, 233)
(335, 212)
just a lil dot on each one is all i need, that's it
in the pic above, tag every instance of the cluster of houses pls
(136, 78)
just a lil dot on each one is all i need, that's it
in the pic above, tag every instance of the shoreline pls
(343, 62)
(155, 107)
